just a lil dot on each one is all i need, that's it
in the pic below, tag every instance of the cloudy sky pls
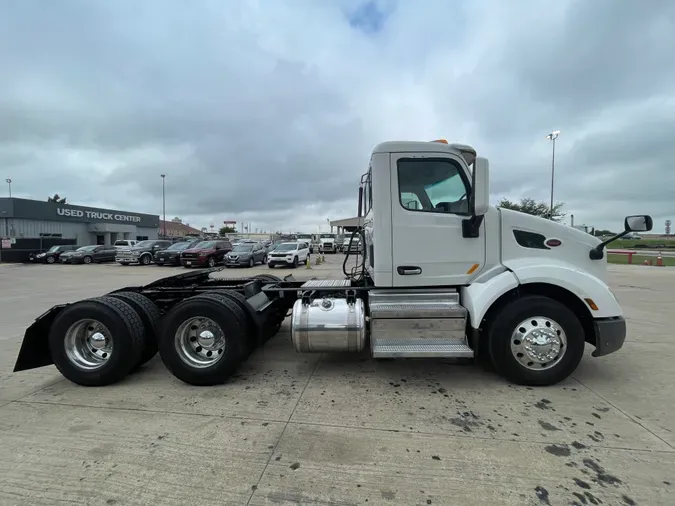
(266, 111)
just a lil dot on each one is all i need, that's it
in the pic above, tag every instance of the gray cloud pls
(266, 112)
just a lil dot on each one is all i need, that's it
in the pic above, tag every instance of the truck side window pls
(434, 185)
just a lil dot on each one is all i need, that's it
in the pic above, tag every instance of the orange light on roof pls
(442, 141)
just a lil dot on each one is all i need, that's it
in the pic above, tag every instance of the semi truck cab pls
(438, 272)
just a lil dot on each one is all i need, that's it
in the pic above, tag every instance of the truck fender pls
(34, 351)
(581, 283)
(477, 298)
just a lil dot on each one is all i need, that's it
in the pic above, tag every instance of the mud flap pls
(34, 351)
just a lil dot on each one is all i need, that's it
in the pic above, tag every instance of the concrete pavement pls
(337, 429)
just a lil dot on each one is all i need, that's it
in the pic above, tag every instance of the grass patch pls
(643, 244)
(638, 260)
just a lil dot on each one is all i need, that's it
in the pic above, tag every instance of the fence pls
(24, 246)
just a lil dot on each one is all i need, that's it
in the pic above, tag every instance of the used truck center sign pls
(51, 211)
(98, 215)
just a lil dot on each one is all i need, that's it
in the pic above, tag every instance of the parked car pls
(89, 254)
(126, 243)
(171, 255)
(307, 238)
(206, 253)
(52, 254)
(246, 254)
(142, 253)
(288, 254)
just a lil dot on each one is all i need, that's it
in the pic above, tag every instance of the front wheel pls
(295, 262)
(145, 260)
(50, 260)
(87, 260)
(535, 340)
(251, 263)
(212, 262)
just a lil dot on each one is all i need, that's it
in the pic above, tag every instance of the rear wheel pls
(535, 340)
(150, 315)
(96, 342)
(203, 340)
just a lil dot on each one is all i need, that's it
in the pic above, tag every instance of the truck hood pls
(548, 228)
(573, 246)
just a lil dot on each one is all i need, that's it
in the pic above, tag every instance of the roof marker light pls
(442, 141)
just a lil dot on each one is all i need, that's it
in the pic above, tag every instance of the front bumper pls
(279, 261)
(167, 259)
(194, 262)
(71, 260)
(237, 262)
(610, 334)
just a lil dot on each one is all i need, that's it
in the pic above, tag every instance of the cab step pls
(397, 304)
(419, 348)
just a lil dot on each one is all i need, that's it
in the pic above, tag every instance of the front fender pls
(477, 298)
(34, 351)
(581, 283)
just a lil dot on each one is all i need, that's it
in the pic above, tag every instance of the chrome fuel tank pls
(328, 325)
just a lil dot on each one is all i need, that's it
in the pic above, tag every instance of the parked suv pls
(206, 253)
(142, 253)
(246, 254)
(52, 254)
(126, 243)
(89, 254)
(289, 254)
(171, 255)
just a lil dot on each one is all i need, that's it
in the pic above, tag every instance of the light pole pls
(9, 186)
(552, 137)
(163, 207)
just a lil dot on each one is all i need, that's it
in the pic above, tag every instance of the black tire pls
(144, 260)
(50, 260)
(211, 262)
(87, 259)
(271, 266)
(228, 316)
(159, 264)
(127, 332)
(503, 324)
(295, 262)
(264, 260)
(246, 317)
(151, 317)
(251, 262)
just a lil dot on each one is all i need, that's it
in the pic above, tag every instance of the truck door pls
(429, 202)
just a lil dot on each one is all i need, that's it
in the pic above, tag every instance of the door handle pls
(408, 270)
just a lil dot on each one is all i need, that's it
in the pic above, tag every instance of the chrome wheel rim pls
(200, 342)
(87, 260)
(538, 343)
(88, 344)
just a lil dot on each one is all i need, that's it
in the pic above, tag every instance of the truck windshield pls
(327, 236)
(144, 244)
(206, 245)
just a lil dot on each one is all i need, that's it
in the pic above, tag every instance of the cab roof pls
(440, 146)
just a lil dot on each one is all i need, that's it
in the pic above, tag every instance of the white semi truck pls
(447, 276)
(328, 243)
